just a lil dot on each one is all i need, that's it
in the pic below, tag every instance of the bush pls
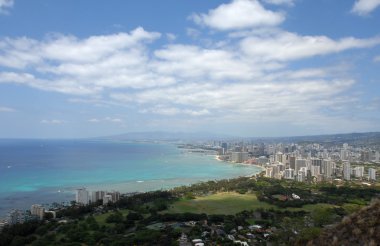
(134, 216)
(115, 218)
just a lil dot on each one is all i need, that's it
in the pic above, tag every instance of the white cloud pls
(193, 33)
(376, 59)
(64, 85)
(286, 46)
(244, 77)
(5, 4)
(280, 2)
(364, 7)
(52, 122)
(114, 120)
(94, 120)
(67, 64)
(189, 62)
(290, 101)
(70, 49)
(106, 119)
(239, 14)
(171, 37)
(6, 109)
(173, 111)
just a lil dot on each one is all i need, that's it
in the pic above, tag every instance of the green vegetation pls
(219, 203)
(101, 218)
(256, 210)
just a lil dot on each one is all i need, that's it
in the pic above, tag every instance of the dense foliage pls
(141, 219)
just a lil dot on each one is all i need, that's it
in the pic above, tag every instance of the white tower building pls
(346, 171)
(82, 196)
(371, 174)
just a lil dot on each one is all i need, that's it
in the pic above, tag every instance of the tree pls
(134, 216)
(322, 216)
(116, 217)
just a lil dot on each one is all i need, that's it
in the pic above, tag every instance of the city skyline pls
(240, 67)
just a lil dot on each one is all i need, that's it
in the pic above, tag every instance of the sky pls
(81, 68)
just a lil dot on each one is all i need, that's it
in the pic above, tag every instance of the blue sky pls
(242, 67)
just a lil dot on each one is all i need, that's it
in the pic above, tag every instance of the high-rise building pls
(16, 216)
(97, 195)
(299, 163)
(377, 156)
(325, 154)
(289, 173)
(224, 148)
(347, 170)
(327, 168)
(315, 166)
(262, 160)
(2, 224)
(285, 160)
(269, 172)
(292, 162)
(278, 157)
(371, 174)
(358, 172)
(37, 210)
(115, 195)
(106, 199)
(301, 175)
(261, 149)
(365, 155)
(273, 171)
(239, 157)
(82, 196)
(344, 154)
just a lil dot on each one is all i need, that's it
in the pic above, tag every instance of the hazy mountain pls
(356, 139)
(367, 139)
(168, 136)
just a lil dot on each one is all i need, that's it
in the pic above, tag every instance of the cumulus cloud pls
(289, 101)
(114, 120)
(285, 46)
(239, 14)
(280, 2)
(364, 7)
(172, 111)
(243, 76)
(6, 109)
(5, 4)
(52, 122)
(171, 37)
(70, 65)
(106, 119)
(189, 62)
(94, 120)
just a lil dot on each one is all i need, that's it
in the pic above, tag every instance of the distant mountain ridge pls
(351, 138)
(168, 136)
(367, 138)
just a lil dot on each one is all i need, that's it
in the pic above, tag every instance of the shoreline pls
(245, 164)
(64, 194)
(67, 194)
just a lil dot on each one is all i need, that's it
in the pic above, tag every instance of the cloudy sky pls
(72, 68)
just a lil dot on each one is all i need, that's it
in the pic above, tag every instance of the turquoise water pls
(45, 171)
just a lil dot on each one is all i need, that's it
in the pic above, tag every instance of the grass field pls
(220, 203)
(101, 219)
(230, 203)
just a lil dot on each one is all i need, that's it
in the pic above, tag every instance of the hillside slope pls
(360, 228)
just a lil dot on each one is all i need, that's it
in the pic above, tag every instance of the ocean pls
(47, 171)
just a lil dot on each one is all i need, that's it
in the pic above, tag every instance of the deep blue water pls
(45, 171)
